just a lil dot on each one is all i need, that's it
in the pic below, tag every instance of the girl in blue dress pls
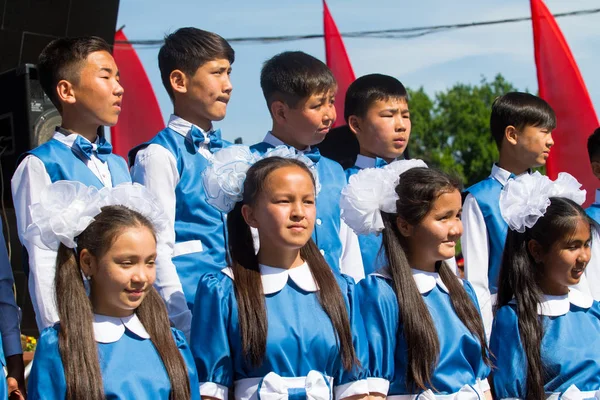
(546, 335)
(115, 343)
(425, 334)
(279, 322)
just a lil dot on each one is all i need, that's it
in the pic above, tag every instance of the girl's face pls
(434, 238)
(122, 276)
(284, 212)
(565, 262)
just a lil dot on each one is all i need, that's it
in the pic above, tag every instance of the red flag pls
(561, 85)
(338, 61)
(140, 117)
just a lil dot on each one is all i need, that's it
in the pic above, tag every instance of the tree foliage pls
(451, 131)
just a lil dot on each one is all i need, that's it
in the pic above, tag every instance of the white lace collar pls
(555, 306)
(111, 329)
(425, 281)
(274, 141)
(275, 279)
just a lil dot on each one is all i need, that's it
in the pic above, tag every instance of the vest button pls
(322, 252)
(319, 222)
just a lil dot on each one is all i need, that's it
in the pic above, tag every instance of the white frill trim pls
(555, 306)
(67, 208)
(224, 177)
(111, 329)
(371, 191)
(211, 389)
(525, 199)
(360, 387)
(274, 279)
(378, 385)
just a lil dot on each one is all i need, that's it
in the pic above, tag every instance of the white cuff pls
(351, 389)
(378, 385)
(215, 390)
(484, 385)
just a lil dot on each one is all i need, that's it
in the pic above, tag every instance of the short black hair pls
(62, 59)
(519, 110)
(294, 75)
(187, 49)
(368, 89)
(593, 146)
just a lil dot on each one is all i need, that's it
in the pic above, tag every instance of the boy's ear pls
(65, 92)
(596, 168)
(178, 81)
(248, 215)
(511, 134)
(279, 111)
(354, 124)
(404, 227)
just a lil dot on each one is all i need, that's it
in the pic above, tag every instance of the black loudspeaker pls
(27, 26)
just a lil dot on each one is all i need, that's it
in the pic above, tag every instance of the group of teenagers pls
(202, 269)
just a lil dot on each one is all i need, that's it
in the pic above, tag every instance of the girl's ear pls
(404, 227)
(87, 262)
(248, 214)
(536, 251)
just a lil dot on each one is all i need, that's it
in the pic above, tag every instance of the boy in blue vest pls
(300, 92)
(521, 125)
(376, 112)
(81, 78)
(195, 66)
(593, 274)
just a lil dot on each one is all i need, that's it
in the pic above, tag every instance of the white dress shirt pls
(27, 183)
(351, 260)
(155, 167)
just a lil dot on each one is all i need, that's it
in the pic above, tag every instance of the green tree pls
(451, 132)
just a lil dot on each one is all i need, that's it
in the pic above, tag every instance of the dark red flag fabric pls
(140, 117)
(561, 85)
(338, 61)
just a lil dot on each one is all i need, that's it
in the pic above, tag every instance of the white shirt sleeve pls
(475, 248)
(351, 261)
(156, 169)
(28, 181)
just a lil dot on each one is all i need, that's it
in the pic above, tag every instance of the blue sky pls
(434, 62)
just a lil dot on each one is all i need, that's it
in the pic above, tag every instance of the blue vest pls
(487, 194)
(594, 212)
(195, 219)
(371, 245)
(64, 165)
(327, 227)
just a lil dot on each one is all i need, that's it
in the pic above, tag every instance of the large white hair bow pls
(525, 199)
(371, 191)
(224, 177)
(67, 208)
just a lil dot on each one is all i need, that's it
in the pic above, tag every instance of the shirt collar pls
(68, 138)
(363, 162)
(425, 281)
(502, 175)
(274, 141)
(183, 127)
(554, 306)
(274, 279)
(111, 329)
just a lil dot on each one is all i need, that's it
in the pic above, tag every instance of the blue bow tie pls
(103, 148)
(215, 141)
(313, 154)
(380, 162)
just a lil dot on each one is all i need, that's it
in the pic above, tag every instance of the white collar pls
(69, 139)
(554, 306)
(111, 329)
(425, 281)
(183, 127)
(502, 175)
(274, 279)
(275, 141)
(597, 196)
(363, 162)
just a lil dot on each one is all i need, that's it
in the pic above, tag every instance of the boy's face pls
(533, 145)
(385, 129)
(97, 94)
(311, 119)
(207, 92)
